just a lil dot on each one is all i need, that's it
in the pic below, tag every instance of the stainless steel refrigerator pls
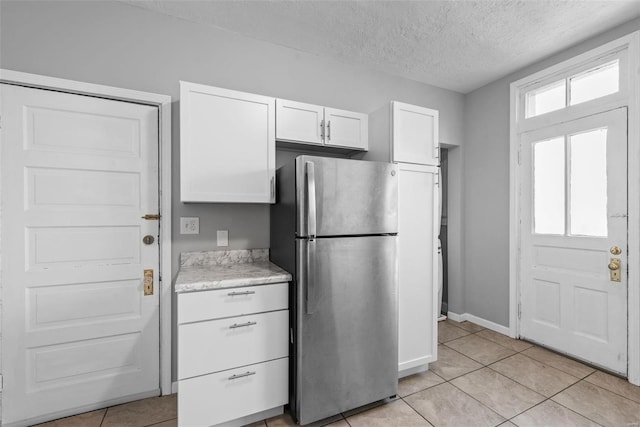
(334, 227)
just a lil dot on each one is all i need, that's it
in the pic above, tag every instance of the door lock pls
(615, 250)
(147, 282)
(614, 270)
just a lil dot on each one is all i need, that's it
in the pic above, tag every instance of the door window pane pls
(548, 186)
(588, 183)
(545, 99)
(595, 83)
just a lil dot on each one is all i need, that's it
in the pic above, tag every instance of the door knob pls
(615, 250)
(614, 264)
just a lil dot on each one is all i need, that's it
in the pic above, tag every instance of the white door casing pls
(568, 301)
(78, 174)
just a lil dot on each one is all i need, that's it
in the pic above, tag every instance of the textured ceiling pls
(458, 45)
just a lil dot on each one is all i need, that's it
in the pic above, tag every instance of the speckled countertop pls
(200, 271)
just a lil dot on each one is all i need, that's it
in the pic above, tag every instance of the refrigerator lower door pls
(346, 337)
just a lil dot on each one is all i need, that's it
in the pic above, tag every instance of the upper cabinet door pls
(299, 122)
(415, 135)
(346, 129)
(227, 145)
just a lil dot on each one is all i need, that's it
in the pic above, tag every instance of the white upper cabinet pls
(415, 135)
(312, 124)
(299, 122)
(346, 129)
(227, 145)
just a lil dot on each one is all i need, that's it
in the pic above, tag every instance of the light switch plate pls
(189, 225)
(223, 237)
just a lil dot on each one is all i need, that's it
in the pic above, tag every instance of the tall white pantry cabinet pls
(412, 135)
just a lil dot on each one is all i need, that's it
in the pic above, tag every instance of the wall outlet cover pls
(223, 237)
(189, 225)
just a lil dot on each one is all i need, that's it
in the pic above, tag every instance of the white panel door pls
(78, 173)
(574, 229)
(418, 205)
(415, 135)
(346, 129)
(299, 122)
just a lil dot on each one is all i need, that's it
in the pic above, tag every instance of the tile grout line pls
(104, 415)
(526, 387)
(550, 398)
(415, 410)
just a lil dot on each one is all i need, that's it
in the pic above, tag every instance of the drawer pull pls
(235, 294)
(242, 325)
(246, 374)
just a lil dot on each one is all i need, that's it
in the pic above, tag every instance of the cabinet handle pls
(329, 130)
(234, 294)
(246, 374)
(273, 187)
(242, 325)
(322, 130)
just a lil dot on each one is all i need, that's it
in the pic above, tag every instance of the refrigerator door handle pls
(311, 277)
(311, 200)
(311, 232)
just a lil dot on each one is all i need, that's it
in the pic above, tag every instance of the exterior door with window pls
(573, 263)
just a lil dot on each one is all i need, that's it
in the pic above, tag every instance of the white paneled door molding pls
(78, 174)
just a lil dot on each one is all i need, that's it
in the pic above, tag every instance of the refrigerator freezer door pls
(346, 345)
(353, 197)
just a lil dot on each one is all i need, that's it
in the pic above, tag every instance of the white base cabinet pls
(218, 398)
(233, 348)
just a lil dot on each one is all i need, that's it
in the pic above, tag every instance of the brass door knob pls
(614, 264)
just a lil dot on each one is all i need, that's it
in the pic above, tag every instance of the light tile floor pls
(481, 378)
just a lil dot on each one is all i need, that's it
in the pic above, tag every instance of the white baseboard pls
(504, 330)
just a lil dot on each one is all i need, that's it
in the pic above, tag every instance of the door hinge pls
(519, 156)
(519, 311)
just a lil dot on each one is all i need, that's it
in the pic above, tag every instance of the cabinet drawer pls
(217, 345)
(215, 304)
(221, 397)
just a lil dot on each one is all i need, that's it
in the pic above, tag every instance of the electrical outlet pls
(223, 237)
(189, 225)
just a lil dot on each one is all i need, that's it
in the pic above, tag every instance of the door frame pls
(629, 46)
(163, 103)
